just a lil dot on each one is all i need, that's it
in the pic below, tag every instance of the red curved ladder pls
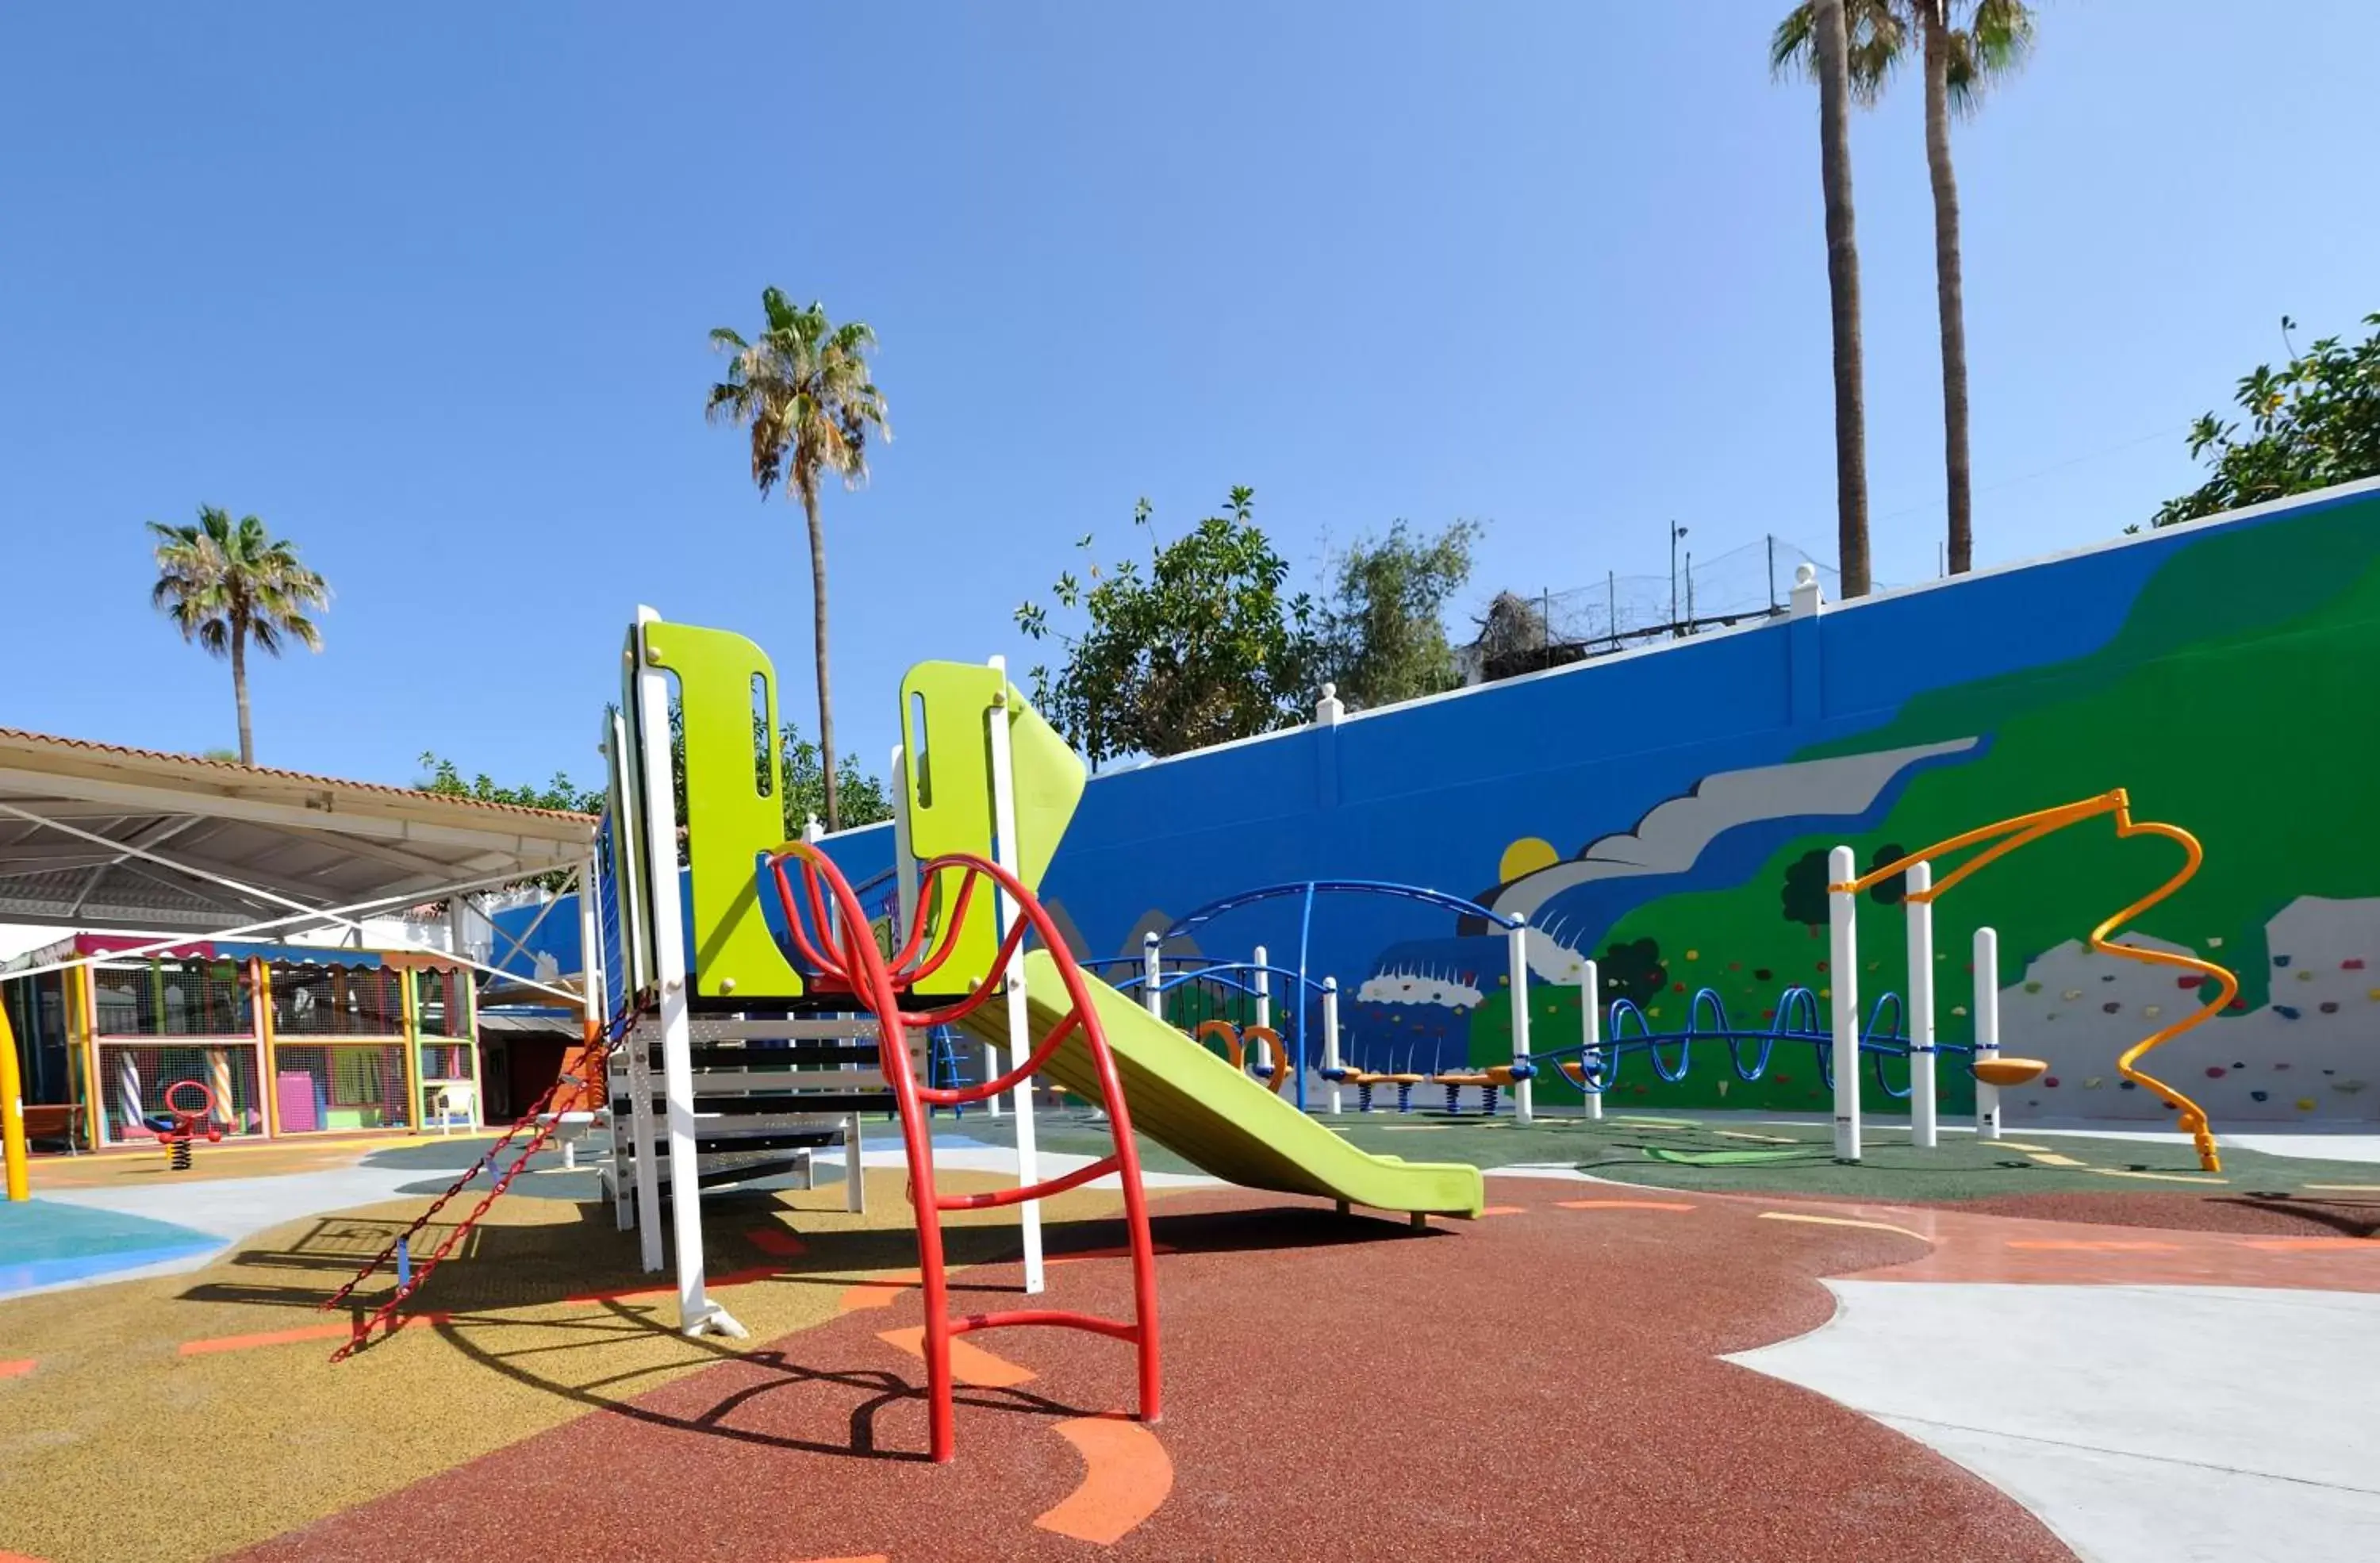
(845, 957)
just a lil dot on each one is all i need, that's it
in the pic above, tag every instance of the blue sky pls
(427, 289)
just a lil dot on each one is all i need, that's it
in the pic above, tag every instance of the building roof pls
(105, 837)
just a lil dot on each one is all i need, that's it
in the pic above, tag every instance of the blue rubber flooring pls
(43, 1243)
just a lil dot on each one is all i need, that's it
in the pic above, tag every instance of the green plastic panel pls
(734, 805)
(946, 746)
(1186, 1098)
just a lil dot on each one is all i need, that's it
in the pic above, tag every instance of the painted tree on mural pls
(2312, 422)
(1806, 891)
(1633, 970)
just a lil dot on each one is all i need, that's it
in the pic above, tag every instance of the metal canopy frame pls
(109, 838)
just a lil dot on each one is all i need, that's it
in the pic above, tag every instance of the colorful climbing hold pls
(2287, 1011)
(2152, 1010)
(1694, 954)
(2330, 1006)
(2281, 960)
(2111, 1008)
(2131, 1085)
(2306, 975)
(2050, 1081)
(2260, 1096)
(2093, 1083)
(2352, 964)
(2035, 988)
(2305, 1104)
(2072, 994)
(1762, 974)
(2215, 1072)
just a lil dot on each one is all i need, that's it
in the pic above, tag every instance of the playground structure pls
(1893, 1025)
(2005, 836)
(1312, 1000)
(772, 990)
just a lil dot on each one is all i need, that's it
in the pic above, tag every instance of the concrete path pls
(2144, 1424)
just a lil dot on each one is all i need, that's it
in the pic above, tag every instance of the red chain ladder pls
(546, 1115)
(846, 958)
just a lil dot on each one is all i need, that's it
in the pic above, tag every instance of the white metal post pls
(593, 1000)
(1843, 965)
(1331, 1065)
(1988, 1030)
(1523, 1099)
(1263, 1010)
(1020, 1020)
(1923, 1131)
(1151, 999)
(1590, 1030)
(697, 1312)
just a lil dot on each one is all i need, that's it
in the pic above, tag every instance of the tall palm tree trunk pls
(1950, 288)
(817, 620)
(240, 692)
(1842, 289)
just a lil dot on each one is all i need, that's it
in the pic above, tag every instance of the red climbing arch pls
(831, 936)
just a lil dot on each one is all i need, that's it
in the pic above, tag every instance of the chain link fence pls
(1521, 634)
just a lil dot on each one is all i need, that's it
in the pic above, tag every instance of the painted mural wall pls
(1668, 814)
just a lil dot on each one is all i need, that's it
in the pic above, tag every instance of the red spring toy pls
(188, 1123)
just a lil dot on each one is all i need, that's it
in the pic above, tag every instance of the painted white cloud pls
(1669, 839)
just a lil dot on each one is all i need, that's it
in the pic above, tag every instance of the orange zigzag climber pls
(2023, 830)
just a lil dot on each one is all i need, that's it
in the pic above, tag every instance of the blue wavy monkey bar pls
(1797, 1021)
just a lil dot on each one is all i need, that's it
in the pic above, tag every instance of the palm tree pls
(1959, 61)
(225, 584)
(803, 388)
(1830, 52)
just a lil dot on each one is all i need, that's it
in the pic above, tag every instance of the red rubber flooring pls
(1538, 1385)
(2343, 1214)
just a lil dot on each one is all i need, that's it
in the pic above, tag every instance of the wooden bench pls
(56, 1123)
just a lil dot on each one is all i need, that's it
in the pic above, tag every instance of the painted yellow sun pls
(1525, 856)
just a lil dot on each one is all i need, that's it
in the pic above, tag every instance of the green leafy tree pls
(227, 585)
(2312, 422)
(1203, 648)
(802, 387)
(1830, 57)
(1383, 628)
(864, 799)
(1963, 47)
(445, 778)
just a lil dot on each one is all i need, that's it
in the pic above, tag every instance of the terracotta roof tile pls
(235, 768)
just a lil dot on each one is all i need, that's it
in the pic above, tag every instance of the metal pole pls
(1772, 572)
(1020, 1019)
(1843, 967)
(1988, 1030)
(1523, 1099)
(1151, 999)
(1264, 1012)
(1611, 605)
(696, 1311)
(1331, 1068)
(1923, 1131)
(1674, 529)
(1590, 1029)
(12, 1113)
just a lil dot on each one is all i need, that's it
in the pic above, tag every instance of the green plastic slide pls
(1192, 1102)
